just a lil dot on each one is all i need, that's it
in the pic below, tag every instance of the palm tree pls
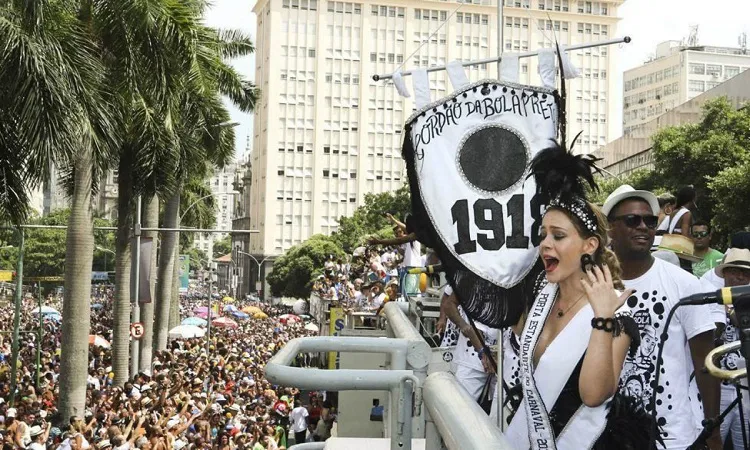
(150, 220)
(54, 106)
(146, 77)
(130, 39)
(39, 80)
(204, 140)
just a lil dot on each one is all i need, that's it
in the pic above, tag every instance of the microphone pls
(429, 269)
(738, 296)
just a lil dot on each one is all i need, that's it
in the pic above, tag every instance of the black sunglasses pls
(700, 234)
(633, 220)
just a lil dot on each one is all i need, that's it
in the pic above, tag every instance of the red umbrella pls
(289, 318)
(224, 322)
(98, 341)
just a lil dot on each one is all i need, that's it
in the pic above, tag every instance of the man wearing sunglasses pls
(700, 233)
(658, 287)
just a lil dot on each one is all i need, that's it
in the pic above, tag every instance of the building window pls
(326, 173)
(696, 86)
(731, 71)
(713, 69)
(697, 69)
(326, 149)
(280, 173)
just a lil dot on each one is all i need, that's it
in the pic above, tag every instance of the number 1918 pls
(494, 221)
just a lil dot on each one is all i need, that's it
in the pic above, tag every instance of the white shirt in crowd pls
(386, 258)
(412, 254)
(359, 298)
(657, 292)
(298, 417)
(711, 279)
(378, 300)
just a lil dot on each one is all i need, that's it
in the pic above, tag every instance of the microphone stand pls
(742, 315)
(709, 425)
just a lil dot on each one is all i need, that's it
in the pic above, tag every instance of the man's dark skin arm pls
(449, 304)
(708, 386)
(411, 237)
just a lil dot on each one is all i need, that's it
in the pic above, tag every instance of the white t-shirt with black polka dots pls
(657, 292)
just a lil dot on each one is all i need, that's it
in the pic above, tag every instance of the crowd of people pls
(375, 274)
(196, 395)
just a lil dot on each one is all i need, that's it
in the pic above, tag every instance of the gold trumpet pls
(712, 360)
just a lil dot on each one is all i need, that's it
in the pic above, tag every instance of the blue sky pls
(648, 22)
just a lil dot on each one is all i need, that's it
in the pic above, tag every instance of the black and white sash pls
(542, 385)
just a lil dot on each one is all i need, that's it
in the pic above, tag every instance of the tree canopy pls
(694, 154)
(712, 155)
(44, 249)
(369, 219)
(222, 246)
(294, 272)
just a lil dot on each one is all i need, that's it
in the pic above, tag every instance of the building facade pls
(247, 267)
(676, 74)
(629, 153)
(222, 187)
(326, 134)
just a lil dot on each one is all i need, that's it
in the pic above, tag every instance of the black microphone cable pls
(655, 386)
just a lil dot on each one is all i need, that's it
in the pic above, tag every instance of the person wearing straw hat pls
(735, 271)
(39, 437)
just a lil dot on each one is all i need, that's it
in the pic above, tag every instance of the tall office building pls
(222, 187)
(326, 134)
(676, 74)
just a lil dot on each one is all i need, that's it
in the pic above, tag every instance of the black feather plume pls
(563, 101)
(559, 173)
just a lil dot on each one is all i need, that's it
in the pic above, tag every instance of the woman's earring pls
(587, 262)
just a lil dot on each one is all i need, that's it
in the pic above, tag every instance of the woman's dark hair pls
(685, 195)
(701, 223)
(665, 199)
(741, 239)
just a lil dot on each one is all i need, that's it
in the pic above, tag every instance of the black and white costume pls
(552, 414)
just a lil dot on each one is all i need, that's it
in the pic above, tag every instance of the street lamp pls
(258, 283)
(105, 250)
(203, 198)
(210, 297)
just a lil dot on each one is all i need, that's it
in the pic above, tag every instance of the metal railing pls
(460, 420)
(449, 411)
(399, 381)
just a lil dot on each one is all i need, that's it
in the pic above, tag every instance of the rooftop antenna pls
(692, 40)
(742, 41)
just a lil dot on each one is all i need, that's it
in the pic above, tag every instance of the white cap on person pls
(625, 192)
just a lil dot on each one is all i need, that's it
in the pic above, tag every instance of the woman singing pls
(577, 332)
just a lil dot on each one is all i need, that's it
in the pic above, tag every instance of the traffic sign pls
(136, 330)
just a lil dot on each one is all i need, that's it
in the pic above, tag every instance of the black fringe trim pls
(628, 426)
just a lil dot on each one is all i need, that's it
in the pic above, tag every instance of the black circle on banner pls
(493, 158)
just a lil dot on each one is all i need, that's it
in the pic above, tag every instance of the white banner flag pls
(471, 156)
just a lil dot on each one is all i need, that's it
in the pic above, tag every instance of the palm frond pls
(234, 43)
